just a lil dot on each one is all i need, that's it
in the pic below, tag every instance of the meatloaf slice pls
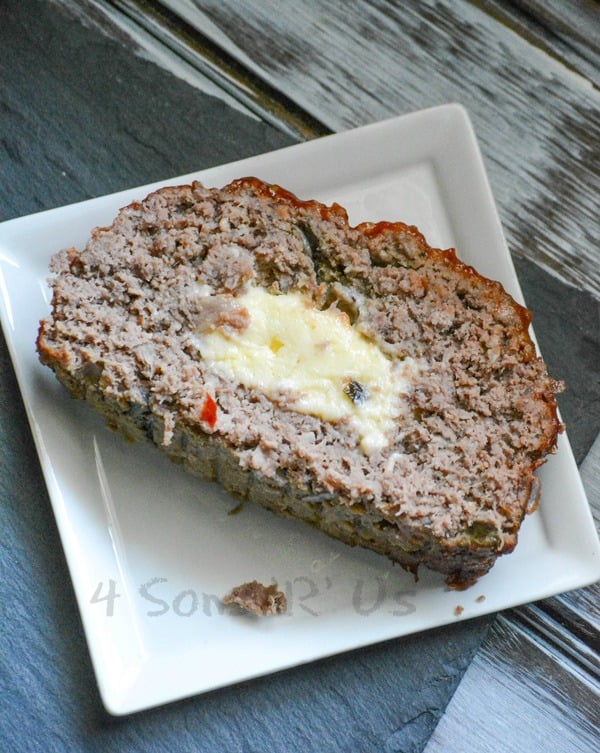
(352, 377)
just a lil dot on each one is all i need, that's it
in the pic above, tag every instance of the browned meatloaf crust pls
(452, 487)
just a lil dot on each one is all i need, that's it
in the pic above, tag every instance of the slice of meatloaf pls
(352, 377)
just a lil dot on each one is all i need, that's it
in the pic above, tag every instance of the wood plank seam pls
(555, 639)
(255, 93)
(528, 20)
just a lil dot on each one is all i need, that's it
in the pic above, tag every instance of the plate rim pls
(452, 116)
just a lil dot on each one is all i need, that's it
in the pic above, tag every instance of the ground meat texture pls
(451, 488)
(258, 599)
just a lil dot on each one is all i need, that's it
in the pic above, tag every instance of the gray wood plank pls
(514, 696)
(526, 688)
(568, 31)
(576, 23)
(352, 63)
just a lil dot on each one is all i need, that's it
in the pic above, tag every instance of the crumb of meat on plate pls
(258, 599)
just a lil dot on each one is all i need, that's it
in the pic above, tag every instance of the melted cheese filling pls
(313, 362)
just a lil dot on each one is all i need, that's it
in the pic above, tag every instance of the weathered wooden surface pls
(81, 114)
(537, 120)
(515, 691)
(571, 30)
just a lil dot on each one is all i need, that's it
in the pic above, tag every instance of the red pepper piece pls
(209, 412)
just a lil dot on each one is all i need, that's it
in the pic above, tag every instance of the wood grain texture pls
(575, 23)
(168, 40)
(80, 115)
(516, 697)
(353, 63)
(535, 682)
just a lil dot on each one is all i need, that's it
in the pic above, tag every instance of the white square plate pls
(151, 549)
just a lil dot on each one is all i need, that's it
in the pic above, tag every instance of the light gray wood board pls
(516, 697)
(575, 23)
(529, 690)
(537, 121)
